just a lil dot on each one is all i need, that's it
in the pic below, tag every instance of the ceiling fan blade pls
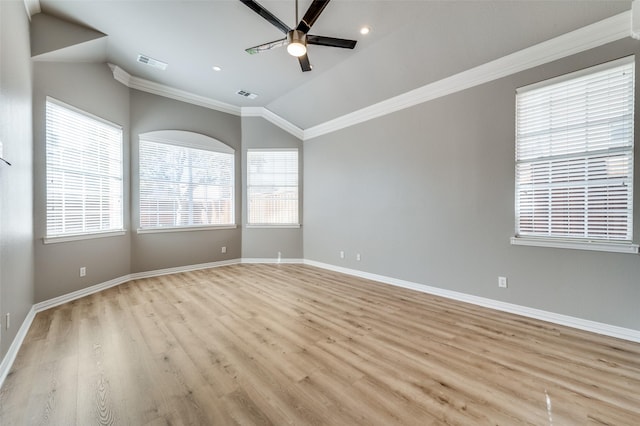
(253, 5)
(266, 46)
(312, 15)
(331, 41)
(304, 63)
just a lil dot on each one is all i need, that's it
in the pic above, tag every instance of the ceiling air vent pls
(143, 59)
(246, 94)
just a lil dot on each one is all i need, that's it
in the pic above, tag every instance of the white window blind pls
(574, 156)
(84, 172)
(182, 186)
(272, 187)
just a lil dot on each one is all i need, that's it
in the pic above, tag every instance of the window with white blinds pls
(183, 186)
(574, 156)
(83, 171)
(272, 187)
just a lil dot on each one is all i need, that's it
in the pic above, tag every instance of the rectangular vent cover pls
(143, 59)
(246, 94)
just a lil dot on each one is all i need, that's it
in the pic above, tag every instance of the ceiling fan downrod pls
(296, 40)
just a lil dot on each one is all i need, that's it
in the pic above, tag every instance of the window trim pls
(567, 242)
(274, 226)
(184, 228)
(577, 74)
(46, 239)
(630, 248)
(192, 140)
(249, 225)
(79, 237)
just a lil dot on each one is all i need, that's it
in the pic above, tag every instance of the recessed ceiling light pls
(217, 68)
(365, 30)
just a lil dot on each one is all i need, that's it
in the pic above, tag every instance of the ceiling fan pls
(297, 38)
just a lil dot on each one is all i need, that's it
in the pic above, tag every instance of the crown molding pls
(274, 119)
(33, 7)
(594, 35)
(144, 85)
(635, 19)
(606, 31)
(120, 75)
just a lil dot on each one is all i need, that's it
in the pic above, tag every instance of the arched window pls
(186, 181)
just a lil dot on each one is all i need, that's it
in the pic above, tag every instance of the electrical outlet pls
(8, 321)
(502, 282)
(83, 271)
(224, 249)
(341, 254)
(358, 257)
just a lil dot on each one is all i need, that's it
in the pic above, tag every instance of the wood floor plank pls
(293, 344)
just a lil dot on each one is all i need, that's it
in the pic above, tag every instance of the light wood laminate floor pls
(293, 344)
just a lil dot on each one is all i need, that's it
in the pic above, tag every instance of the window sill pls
(184, 228)
(67, 238)
(575, 244)
(266, 226)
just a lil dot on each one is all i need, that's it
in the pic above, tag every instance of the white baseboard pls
(65, 298)
(178, 269)
(11, 354)
(579, 323)
(60, 300)
(271, 260)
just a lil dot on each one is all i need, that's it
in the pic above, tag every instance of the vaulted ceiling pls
(411, 44)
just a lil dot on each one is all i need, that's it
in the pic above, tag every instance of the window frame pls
(586, 243)
(296, 224)
(75, 236)
(188, 140)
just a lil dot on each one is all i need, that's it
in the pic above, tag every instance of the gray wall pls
(16, 193)
(427, 195)
(164, 250)
(92, 88)
(267, 242)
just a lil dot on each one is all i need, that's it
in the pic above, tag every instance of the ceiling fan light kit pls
(297, 38)
(296, 43)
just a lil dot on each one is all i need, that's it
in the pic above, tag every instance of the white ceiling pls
(412, 43)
